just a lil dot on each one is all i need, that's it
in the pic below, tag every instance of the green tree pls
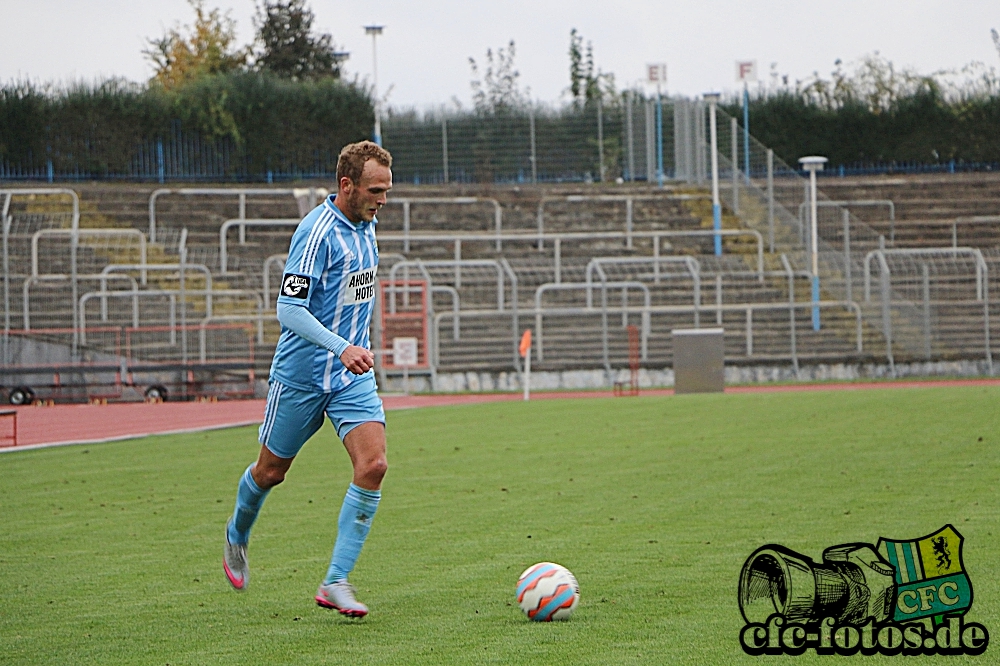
(496, 90)
(587, 84)
(287, 45)
(206, 47)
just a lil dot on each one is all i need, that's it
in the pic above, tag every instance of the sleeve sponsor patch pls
(360, 286)
(295, 286)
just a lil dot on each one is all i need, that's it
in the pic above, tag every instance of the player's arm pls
(300, 321)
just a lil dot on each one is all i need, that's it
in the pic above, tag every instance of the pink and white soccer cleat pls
(234, 561)
(340, 597)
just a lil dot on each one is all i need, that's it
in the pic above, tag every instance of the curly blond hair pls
(353, 156)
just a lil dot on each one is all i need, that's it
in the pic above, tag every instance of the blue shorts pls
(292, 416)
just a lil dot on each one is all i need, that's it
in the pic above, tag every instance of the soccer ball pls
(547, 591)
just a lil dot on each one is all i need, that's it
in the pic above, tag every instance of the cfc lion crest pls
(930, 575)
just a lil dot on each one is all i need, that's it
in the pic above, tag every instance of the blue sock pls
(249, 498)
(352, 529)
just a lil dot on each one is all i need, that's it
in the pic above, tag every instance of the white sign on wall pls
(404, 351)
(656, 73)
(746, 71)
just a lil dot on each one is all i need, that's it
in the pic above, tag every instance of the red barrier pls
(8, 427)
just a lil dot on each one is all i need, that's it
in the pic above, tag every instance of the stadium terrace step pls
(925, 207)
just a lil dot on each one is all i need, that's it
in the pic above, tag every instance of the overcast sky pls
(423, 53)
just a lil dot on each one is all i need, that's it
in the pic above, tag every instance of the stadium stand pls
(576, 263)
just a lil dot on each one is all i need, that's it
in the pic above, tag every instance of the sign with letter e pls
(657, 73)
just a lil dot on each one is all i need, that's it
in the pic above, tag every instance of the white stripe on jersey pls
(315, 240)
(339, 312)
(371, 245)
(357, 310)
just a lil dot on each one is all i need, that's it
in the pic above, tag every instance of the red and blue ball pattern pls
(547, 591)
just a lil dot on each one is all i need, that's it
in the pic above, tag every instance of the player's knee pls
(268, 477)
(375, 469)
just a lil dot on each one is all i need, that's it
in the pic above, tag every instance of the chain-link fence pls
(942, 321)
(596, 143)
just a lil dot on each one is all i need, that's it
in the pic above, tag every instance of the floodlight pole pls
(746, 131)
(713, 99)
(812, 164)
(659, 136)
(375, 31)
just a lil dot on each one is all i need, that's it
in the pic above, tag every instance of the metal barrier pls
(229, 224)
(242, 193)
(974, 219)
(851, 203)
(457, 265)
(5, 221)
(126, 233)
(692, 265)
(568, 286)
(173, 294)
(558, 238)
(982, 270)
(406, 202)
(202, 328)
(273, 260)
(33, 279)
(629, 200)
(182, 290)
(111, 366)
(886, 293)
(748, 308)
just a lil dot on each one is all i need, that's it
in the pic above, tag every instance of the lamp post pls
(812, 164)
(713, 99)
(375, 31)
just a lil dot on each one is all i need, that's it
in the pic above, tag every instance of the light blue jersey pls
(331, 271)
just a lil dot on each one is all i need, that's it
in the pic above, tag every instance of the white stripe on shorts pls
(270, 411)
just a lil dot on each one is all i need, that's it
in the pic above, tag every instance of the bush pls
(261, 122)
(919, 124)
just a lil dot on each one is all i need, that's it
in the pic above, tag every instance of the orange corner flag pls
(525, 342)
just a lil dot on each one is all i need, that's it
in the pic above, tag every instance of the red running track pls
(79, 424)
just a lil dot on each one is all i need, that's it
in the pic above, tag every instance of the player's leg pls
(290, 418)
(360, 422)
(366, 446)
(254, 486)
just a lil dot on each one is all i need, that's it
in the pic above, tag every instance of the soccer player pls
(323, 365)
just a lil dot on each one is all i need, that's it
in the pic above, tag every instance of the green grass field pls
(111, 553)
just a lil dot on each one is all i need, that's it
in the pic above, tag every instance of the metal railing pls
(170, 268)
(648, 311)
(888, 300)
(628, 199)
(174, 294)
(457, 239)
(241, 192)
(35, 279)
(5, 222)
(624, 285)
(125, 233)
(243, 223)
(457, 266)
(847, 204)
(406, 202)
(690, 263)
